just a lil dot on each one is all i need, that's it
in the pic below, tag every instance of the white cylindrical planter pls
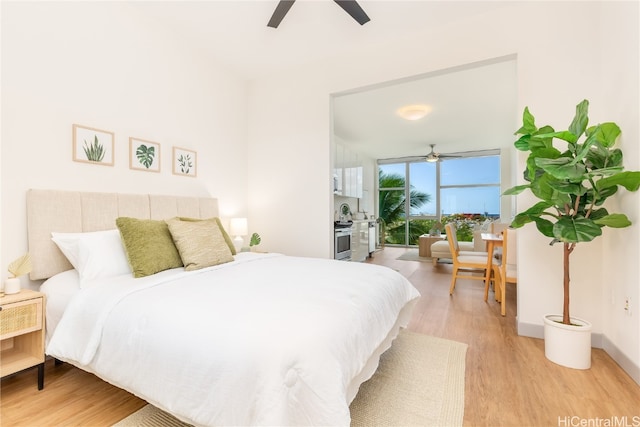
(567, 345)
(12, 286)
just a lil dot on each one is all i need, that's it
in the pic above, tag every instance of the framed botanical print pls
(92, 145)
(185, 162)
(144, 155)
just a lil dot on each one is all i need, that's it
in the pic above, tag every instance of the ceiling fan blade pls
(353, 8)
(278, 14)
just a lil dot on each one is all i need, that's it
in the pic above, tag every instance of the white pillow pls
(95, 254)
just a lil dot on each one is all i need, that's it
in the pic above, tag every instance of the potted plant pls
(572, 182)
(254, 241)
(436, 229)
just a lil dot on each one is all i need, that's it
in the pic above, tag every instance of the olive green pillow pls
(200, 243)
(149, 246)
(227, 239)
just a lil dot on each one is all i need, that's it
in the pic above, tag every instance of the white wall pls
(560, 47)
(102, 64)
(620, 276)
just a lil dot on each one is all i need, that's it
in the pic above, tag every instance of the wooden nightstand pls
(22, 333)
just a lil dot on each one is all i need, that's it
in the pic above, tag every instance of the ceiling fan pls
(350, 6)
(436, 157)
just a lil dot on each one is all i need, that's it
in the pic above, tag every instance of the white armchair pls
(441, 249)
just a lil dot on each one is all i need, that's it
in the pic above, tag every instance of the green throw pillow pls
(200, 243)
(149, 246)
(227, 239)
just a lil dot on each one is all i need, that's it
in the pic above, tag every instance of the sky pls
(455, 172)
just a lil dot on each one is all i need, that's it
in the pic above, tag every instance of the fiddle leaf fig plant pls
(572, 181)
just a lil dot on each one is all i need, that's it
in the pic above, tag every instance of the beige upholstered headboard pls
(73, 212)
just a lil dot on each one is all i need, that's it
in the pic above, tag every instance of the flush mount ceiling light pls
(414, 112)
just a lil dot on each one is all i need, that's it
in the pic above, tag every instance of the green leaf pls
(613, 220)
(538, 208)
(533, 215)
(541, 138)
(606, 133)
(546, 152)
(600, 157)
(521, 219)
(544, 191)
(629, 180)
(516, 190)
(599, 197)
(532, 171)
(561, 168)
(544, 226)
(576, 230)
(255, 239)
(564, 135)
(581, 119)
(522, 143)
(528, 123)
(596, 214)
(614, 158)
(568, 187)
(583, 150)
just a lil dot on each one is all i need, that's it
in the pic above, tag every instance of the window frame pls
(408, 217)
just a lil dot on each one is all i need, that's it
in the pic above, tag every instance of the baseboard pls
(534, 330)
(621, 359)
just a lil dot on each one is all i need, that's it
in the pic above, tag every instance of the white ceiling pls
(471, 107)
(235, 34)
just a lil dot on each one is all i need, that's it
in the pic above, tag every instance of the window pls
(469, 185)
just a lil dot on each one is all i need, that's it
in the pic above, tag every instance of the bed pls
(259, 339)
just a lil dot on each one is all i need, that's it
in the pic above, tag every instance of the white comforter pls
(264, 340)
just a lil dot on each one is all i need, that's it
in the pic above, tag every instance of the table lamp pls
(238, 228)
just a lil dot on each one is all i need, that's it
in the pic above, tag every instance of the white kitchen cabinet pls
(360, 240)
(348, 173)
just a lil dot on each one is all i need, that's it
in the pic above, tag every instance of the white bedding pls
(59, 291)
(242, 343)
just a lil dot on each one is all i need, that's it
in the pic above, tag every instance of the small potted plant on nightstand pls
(572, 183)
(254, 241)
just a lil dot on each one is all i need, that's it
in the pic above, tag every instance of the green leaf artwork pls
(146, 155)
(94, 151)
(185, 162)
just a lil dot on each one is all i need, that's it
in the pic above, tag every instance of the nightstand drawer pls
(20, 317)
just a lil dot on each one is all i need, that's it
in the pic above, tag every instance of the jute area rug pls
(412, 255)
(420, 382)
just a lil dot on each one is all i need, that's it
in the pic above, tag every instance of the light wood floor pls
(508, 380)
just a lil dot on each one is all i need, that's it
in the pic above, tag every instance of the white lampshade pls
(238, 227)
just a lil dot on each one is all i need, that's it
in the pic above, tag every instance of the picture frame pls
(185, 162)
(144, 155)
(91, 145)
